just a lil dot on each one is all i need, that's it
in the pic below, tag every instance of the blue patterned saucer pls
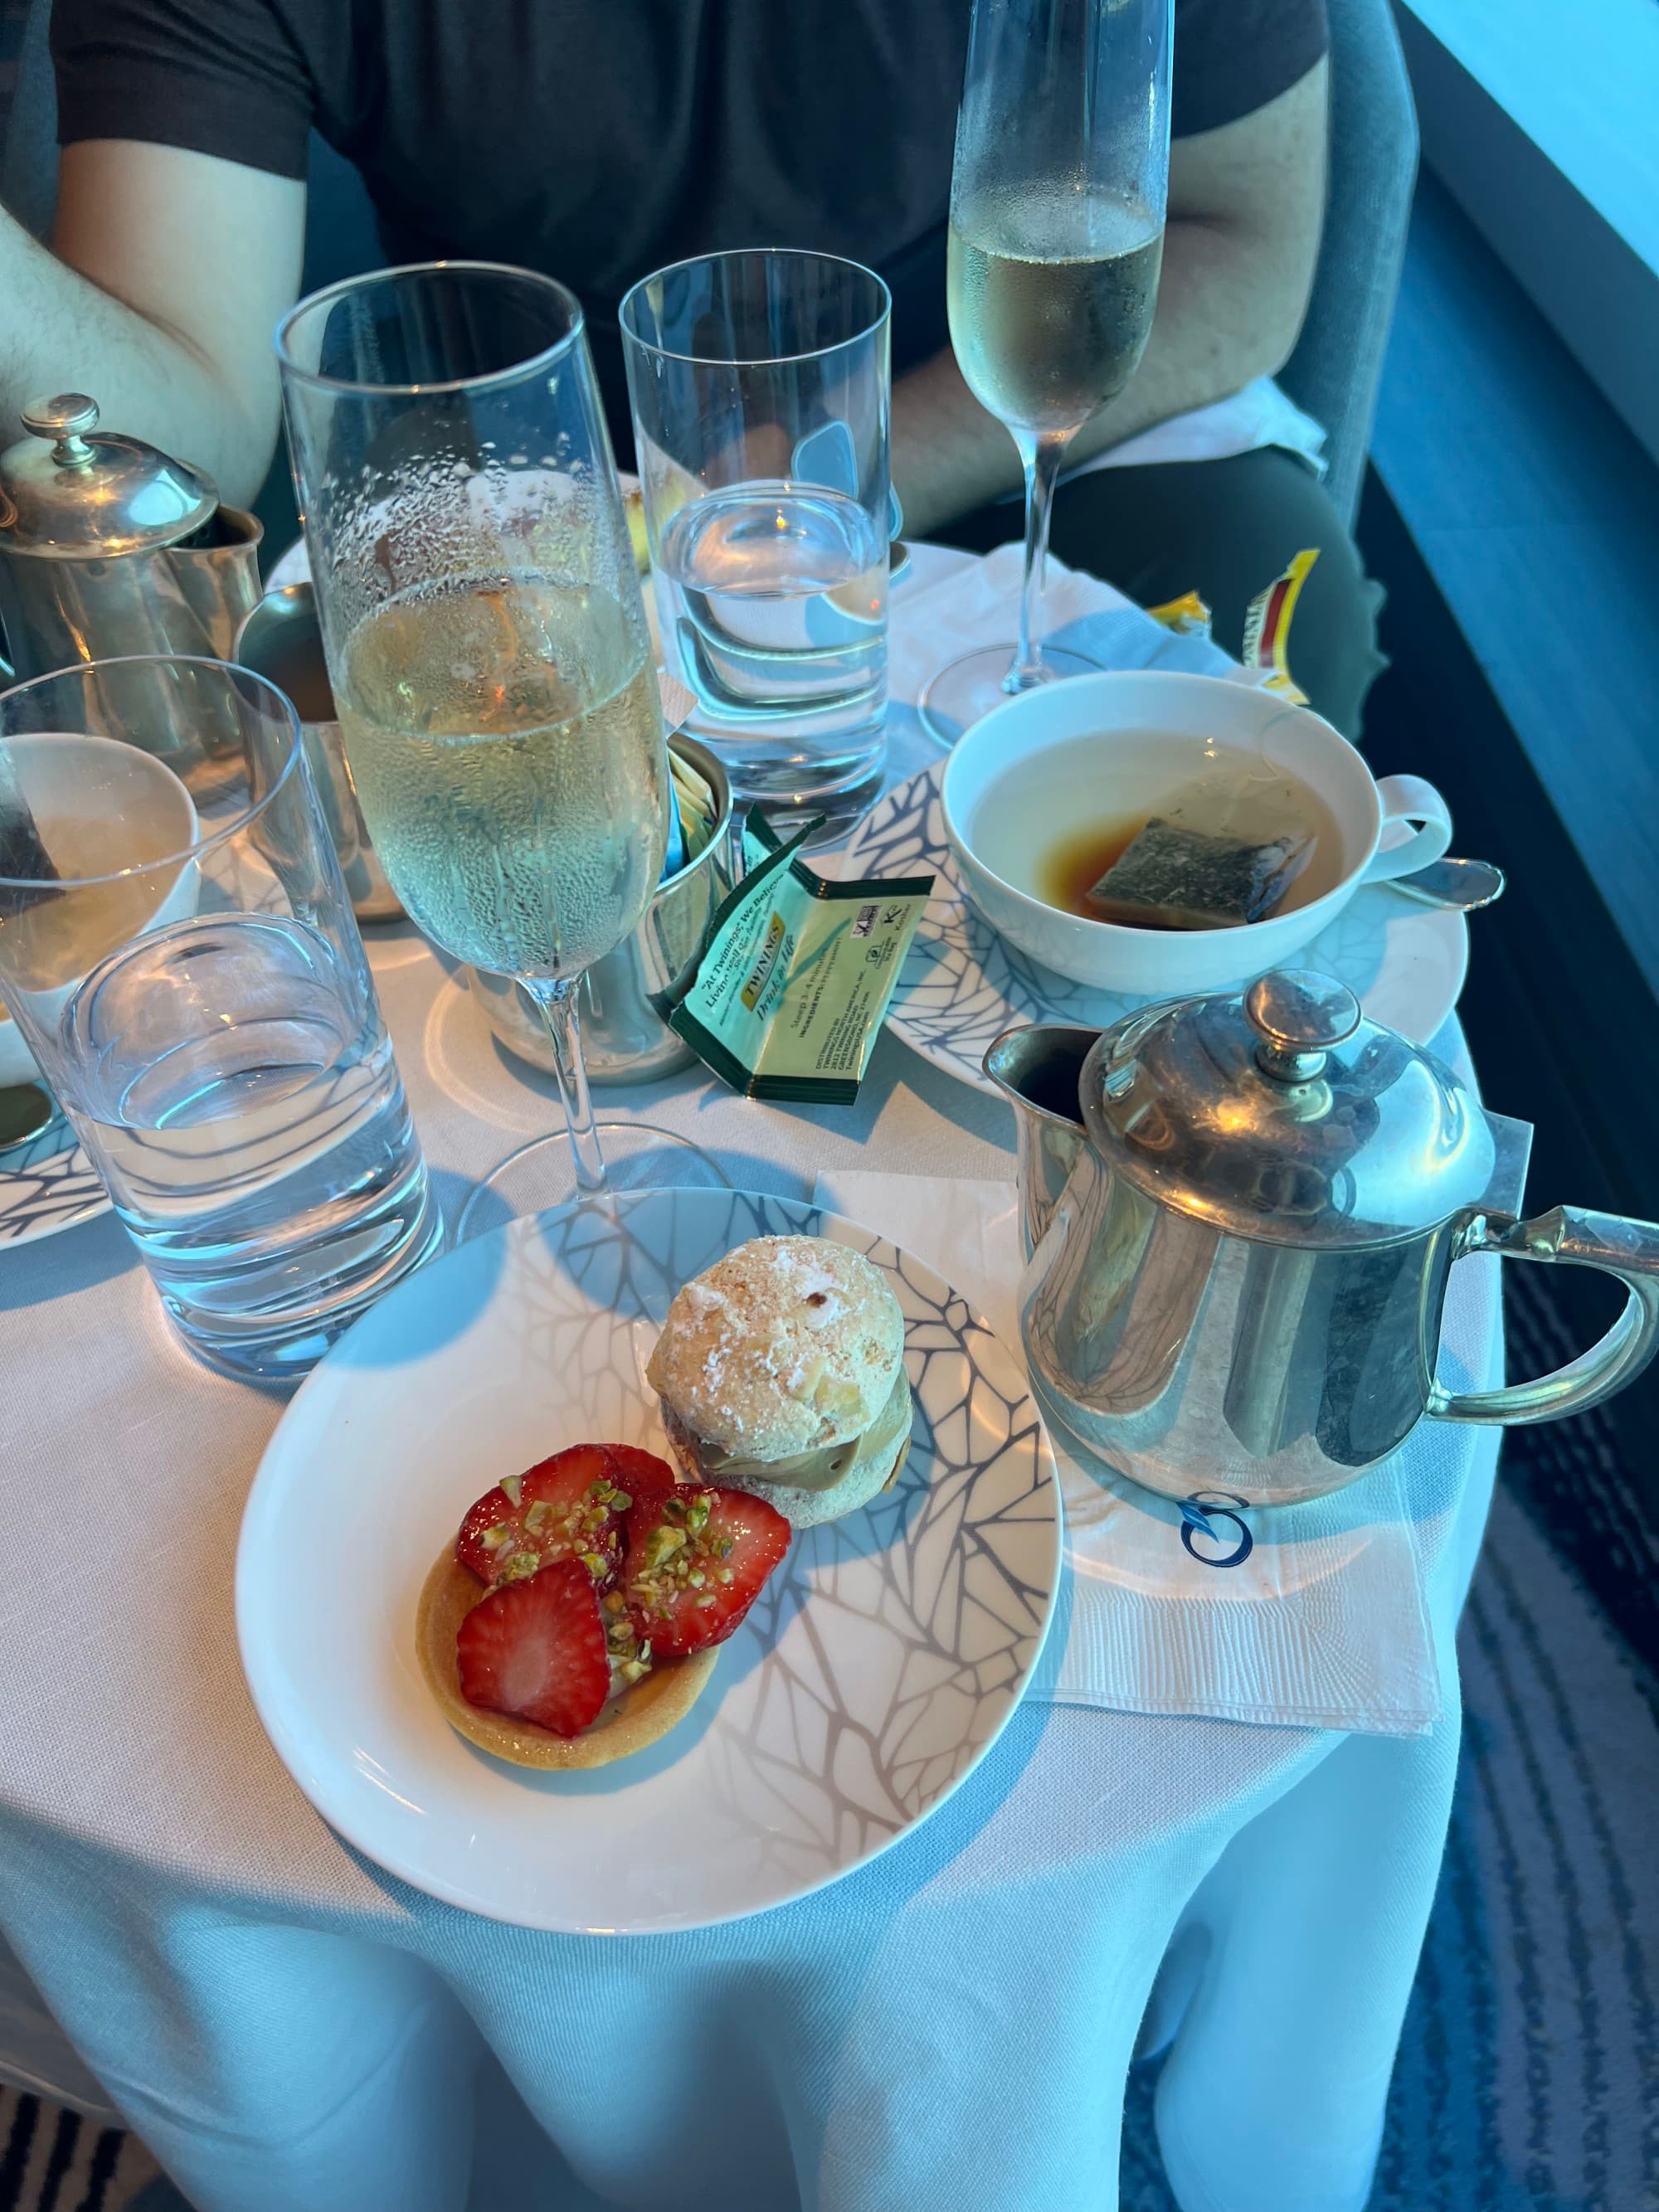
(46, 1184)
(960, 986)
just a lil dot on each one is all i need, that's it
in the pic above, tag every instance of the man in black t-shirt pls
(599, 141)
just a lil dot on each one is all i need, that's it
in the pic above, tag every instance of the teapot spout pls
(1038, 1070)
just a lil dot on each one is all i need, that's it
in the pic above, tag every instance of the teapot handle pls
(1628, 1249)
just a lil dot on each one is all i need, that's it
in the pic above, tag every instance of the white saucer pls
(960, 986)
(874, 1671)
(46, 1184)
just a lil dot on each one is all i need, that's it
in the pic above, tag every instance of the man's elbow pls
(1282, 326)
(245, 458)
(1271, 305)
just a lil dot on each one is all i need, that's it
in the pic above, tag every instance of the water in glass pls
(264, 1164)
(773, 600)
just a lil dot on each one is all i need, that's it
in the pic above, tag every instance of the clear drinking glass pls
(486, 639)
(179, 951)
(1058, 200)
(760, 383)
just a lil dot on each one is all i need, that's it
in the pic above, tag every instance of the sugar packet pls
(793, 985)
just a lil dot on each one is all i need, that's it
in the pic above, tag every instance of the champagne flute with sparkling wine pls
(485, 634)
(1057, 208)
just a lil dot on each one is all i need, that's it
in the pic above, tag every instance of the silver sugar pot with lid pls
(1240, 1214)
(109, 549)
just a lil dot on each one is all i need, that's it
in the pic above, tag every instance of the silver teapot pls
(1240, 1214)
(109, 549)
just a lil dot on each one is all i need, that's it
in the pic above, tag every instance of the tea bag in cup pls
(1223, 852)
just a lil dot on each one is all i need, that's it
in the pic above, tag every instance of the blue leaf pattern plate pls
(960, 986)
(872, 1675)
(46, 1184)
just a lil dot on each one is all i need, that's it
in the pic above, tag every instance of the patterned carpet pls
(1528, 2073)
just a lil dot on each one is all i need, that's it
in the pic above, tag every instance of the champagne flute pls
(481, 616)
(1058, 198)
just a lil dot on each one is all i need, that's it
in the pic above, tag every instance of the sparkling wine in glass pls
(1058, 199)
(486, 638)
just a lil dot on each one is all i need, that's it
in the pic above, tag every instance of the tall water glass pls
(179, 954)
(481, 612)
(760, 383)
(1058, 198)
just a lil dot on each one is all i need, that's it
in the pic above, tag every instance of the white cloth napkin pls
(978, 604)
(1315, 1617)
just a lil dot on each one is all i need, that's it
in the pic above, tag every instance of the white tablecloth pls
(292, 2031)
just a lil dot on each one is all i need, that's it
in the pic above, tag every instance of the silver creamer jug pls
(1240, 1214)
(109, 549)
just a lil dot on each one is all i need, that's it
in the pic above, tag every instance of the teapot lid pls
(1280, 1113)
(66, 494)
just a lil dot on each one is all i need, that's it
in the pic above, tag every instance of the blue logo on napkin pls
(1199, 1514)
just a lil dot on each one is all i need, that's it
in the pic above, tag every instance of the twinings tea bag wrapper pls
(1188, 616)
(1267, 628)
(794, 986)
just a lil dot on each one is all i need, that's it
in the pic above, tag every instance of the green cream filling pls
(830, 1463)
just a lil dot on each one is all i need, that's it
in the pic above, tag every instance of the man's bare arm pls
(1245, 207)
(168, 270)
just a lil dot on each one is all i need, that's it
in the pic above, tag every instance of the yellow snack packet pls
(1268, 627)
(1188, 616)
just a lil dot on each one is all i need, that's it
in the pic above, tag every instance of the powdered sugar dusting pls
(780, 1345)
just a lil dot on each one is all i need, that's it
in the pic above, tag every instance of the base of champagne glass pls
(965, 690)
(638, 1156)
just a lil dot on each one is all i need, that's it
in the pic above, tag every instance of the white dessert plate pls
(875, 1670)
(962, 985)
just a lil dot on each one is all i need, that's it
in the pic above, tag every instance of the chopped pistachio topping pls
(620, 1500)
(493, 1539)
(615, 1602)
(635, 1670)
(513, 1488)
(539, 1515)
(518, 1565)
(661, 1544)
(675, 1565)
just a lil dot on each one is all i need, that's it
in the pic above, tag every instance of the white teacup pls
(58, 776)
(1123, 745)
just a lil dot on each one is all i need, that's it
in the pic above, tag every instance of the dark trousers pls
(1224, 529)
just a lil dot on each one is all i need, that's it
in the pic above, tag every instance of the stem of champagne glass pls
(1041, 457)
(556, 1001)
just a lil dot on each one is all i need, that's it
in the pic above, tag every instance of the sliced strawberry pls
(641, 1474)
(567, 1507)
(537, 1648)
(696, 1560)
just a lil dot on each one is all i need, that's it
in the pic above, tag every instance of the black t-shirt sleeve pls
(215, 76)
(1232, 57)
